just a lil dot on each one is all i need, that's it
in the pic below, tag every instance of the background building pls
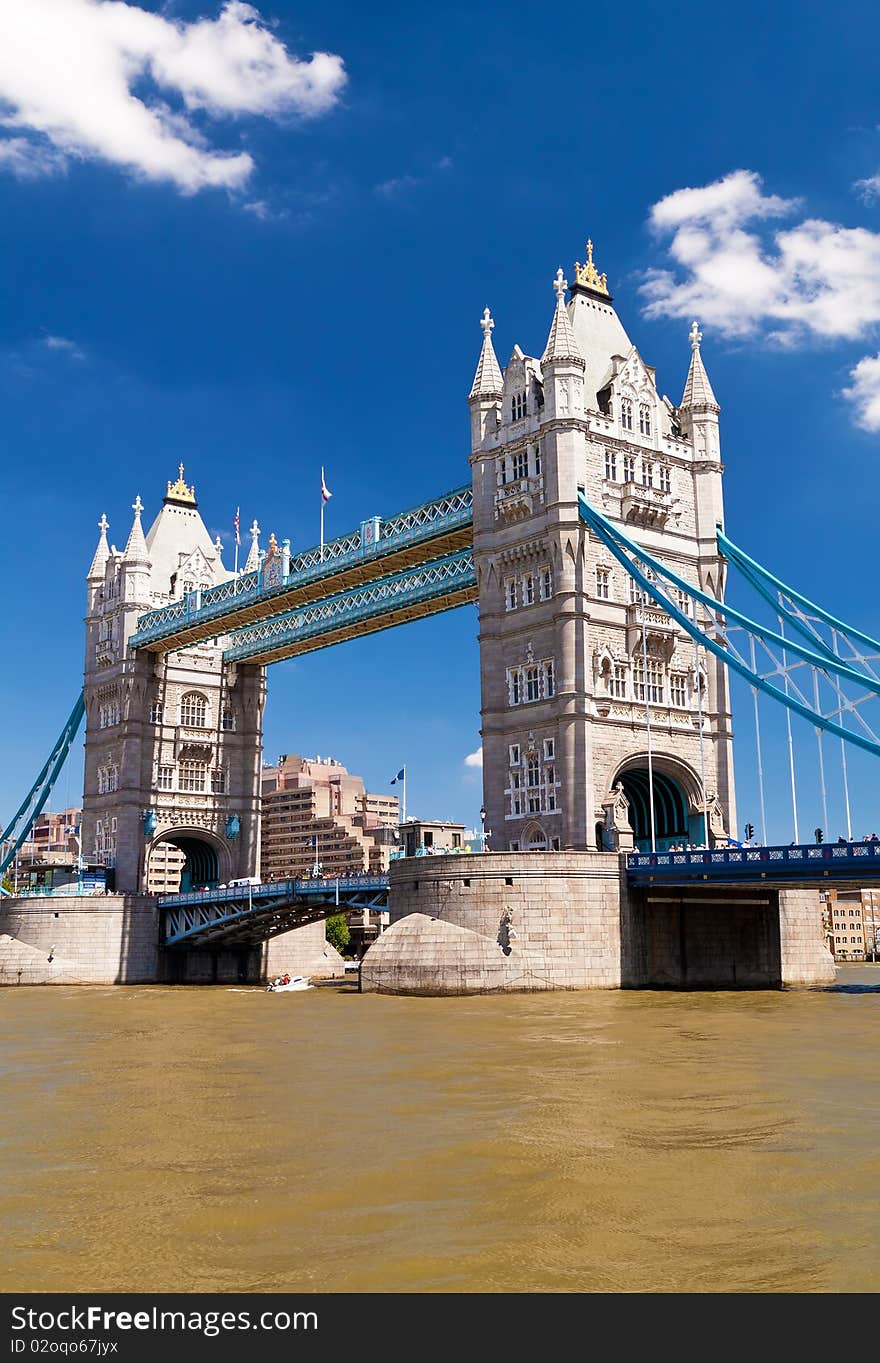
(317, 816)
(851, 921)
(432, 835)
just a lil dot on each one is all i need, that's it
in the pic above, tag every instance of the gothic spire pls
(488, 382)
(561, 343)
(136, 546)
(697, 389)
(102, 553)
(253, 558)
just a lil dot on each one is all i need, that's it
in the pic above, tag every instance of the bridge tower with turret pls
(593, 700)
(173, 741)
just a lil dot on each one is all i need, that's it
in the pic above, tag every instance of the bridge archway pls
(534, 839)
(677, 817)
(190, 856)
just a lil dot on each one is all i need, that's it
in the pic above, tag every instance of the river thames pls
(217, 1139)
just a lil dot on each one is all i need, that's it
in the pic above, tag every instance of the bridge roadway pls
(433, 531)
(245, 915)
(242, 915)
(802, 864)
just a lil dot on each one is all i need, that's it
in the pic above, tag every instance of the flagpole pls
(322, 528)
(404, 795)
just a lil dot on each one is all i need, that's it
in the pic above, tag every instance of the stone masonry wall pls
(113, 939)
(806, 959)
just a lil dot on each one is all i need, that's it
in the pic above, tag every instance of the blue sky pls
(217, 250)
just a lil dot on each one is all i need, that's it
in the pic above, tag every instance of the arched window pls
(626, 414)
(193, 710)
(644, 418)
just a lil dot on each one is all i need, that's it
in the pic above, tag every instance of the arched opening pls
(671, 819)
(535, 839)
(182, 861)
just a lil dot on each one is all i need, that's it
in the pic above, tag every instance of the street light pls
(483, 834)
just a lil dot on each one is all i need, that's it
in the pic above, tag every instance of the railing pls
(413, 587)
(451, 511)
(797, 861)
(275, 889)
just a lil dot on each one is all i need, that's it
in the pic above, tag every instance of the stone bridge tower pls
(173, 741)
(563, 671)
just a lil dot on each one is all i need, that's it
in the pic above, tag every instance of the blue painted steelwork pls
(851, 861)
(777, 593)
(441, 584)
(19, 827)
(249, 914)
(631, 555)
(220, 605)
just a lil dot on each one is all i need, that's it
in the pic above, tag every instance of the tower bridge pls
(592, 539)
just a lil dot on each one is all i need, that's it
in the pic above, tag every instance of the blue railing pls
(452, 511)
(275, 889)
(356, 606)
(850, 860)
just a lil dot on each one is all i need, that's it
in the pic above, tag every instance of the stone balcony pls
(514, 501)
(660, 629)
(640, 505)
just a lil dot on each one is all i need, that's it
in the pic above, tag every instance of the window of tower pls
(644, 418)
(665, 478)
(520, 465)
(193, 710)
(611, 465)
(228, 721)
(193, 776)
(533, 685)
(655, 681)
(546, 584)
(510, 594)
(647, 473)
(165, 778)
(626, 414)
(629, 468)
(549, 679)
(618, 681)
(518, 406)
(537, 461)
(502, 471)
(528, 590)
(157, 712)
(218, 781)
(603, 584)
(677, 690)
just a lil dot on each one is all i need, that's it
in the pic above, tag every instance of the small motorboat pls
(292, 985)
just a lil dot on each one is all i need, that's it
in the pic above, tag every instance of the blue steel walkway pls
(380, 547)
(245, 915)
(855, 862)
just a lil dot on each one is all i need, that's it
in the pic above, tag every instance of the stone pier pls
(513, 921)
(114, 939)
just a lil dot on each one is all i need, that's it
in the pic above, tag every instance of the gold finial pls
(179, 492)
(272, 551)
(588, 276)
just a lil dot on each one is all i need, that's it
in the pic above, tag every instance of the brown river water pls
(230, 1140)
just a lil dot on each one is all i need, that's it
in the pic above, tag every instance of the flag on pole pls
(325, 493)
(237, 524)
(399, 777)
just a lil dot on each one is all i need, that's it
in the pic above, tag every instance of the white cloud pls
(65, 346)
(30, 160)
(68, 69)
(474, 759)
(814, 279)
(403, 184)
(864, 393)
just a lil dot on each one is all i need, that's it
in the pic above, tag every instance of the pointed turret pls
(136, 547)
(562, 363)
(102, 553)
(487, 387)
(253, 558)
(488, 382)
(561, 343)
(698, 395)
(218, 547)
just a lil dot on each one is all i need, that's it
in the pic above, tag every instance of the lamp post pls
(483, 834)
